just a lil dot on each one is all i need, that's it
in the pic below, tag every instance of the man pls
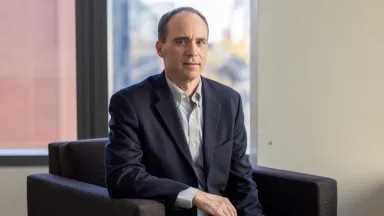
(178, 137)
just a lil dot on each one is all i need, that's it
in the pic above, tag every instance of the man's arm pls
(125, 174)
(241, 189)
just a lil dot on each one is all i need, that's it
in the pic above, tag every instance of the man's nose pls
(192, 49)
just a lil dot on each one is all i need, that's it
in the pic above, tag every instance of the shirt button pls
(194, 144)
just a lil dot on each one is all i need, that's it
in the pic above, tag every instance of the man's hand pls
(213, 204)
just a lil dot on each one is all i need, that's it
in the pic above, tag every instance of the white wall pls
(321, 95)
(13, 189)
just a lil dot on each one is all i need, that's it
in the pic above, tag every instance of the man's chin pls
(192, 74)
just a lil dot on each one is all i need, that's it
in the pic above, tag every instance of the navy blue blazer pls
(147, 155)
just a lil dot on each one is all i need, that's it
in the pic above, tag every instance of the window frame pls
(254, 80)
(254, 130)
(91, 79)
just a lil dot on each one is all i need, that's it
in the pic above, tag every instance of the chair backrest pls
(81, 160)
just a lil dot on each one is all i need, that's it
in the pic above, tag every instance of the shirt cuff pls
(185, 197)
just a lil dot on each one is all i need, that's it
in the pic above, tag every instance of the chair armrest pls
(290, 193)
(49, 194)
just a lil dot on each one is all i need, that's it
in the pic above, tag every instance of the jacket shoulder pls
(221, 90)
(137, 90)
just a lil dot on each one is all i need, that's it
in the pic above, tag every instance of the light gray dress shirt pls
(190, 111)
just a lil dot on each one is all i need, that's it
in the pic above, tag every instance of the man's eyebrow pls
(187, 38)
(180, 38)
(202, 38)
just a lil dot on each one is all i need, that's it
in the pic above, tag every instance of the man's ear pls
(159, 48)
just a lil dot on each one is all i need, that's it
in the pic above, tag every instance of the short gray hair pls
(162, 27)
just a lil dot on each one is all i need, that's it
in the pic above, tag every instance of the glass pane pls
(133, 34)
(37, 75)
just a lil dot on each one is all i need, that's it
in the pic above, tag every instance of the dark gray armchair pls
(75, 186)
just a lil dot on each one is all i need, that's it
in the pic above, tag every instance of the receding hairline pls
(181, 14)
(167, 17)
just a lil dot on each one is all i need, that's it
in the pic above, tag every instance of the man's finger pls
(232, 210)
(230, 207)
(226, 211)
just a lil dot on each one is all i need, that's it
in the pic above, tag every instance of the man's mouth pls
(188, 63)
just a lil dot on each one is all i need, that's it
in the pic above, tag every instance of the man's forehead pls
(186, 20)
(187, 25)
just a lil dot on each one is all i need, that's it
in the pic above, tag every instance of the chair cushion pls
(83, 160)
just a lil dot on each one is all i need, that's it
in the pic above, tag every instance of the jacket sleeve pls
(242, 190)
(125, 174)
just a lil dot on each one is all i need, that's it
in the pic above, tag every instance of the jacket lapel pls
(168, 112)
(211, 113)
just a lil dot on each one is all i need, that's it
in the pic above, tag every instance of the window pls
(37, 75)
(132, 56)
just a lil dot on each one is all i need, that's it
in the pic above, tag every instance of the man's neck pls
(188, 86)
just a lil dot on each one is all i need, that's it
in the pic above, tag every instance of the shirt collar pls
(179, 94)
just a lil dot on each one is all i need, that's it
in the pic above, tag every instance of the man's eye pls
(181, 42)
(200, 42)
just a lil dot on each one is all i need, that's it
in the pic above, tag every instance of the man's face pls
(186, 46)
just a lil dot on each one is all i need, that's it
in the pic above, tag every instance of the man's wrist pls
(185, 198)
(197, 197)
